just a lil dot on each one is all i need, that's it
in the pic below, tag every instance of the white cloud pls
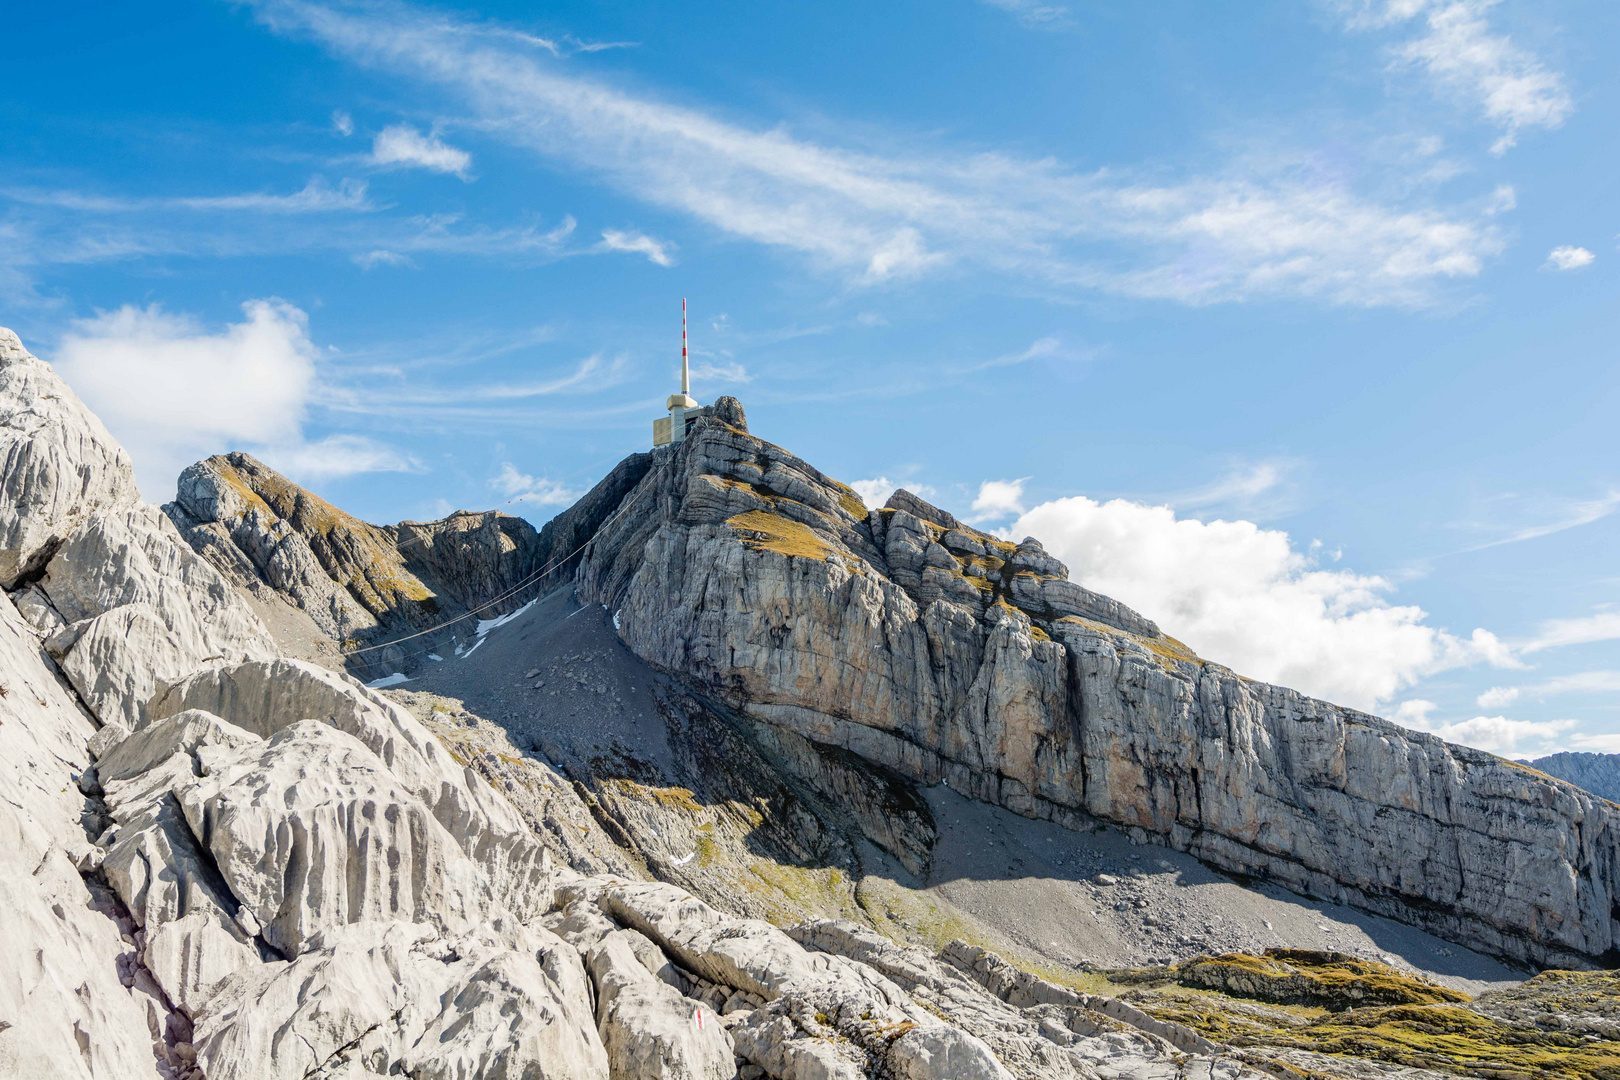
(1257, 230)
(342, 123)
(721, 372)
(614, 240)
(1580, 682)
(876, 491)
(1568, 258)
(1499, 735)
(1554, 633)
(1459, 50)
(1243, 596)
(370, 260)
(316, 197)
(1493, 734)
(534, 490)
(1596, 744)
(999, 499)
(173, 393)
(336, 456)
(403, 145)
(1565, 514)
(1033, 12)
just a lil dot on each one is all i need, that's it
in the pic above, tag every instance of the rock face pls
(1597, 773)
(58, 464)
(221, 863)
(359, 583)
(952, 656)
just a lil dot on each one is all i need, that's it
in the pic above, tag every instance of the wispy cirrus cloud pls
(1555, 633)
(1457, 47)
(1248, 232)
(1034, 13)
(316, 197)
(639, 243)
(1556, 518)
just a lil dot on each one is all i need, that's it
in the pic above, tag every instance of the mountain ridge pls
(761, 784)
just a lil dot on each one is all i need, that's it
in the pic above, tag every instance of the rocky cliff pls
(359, 583)
(224, 863)
(955, 657)
(1597, 773)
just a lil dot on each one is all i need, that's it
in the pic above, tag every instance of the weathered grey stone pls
(650, 1031)
(311, 831)
(266, 697)
(58, 464)
(141, 608)
(66, 1012)
(751, 575)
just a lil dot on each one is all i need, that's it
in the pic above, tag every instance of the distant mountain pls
(1597, 773)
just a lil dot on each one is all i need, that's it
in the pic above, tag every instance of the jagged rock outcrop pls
(358, 582)
(1597, 773)
(953, 656)
(58, 464)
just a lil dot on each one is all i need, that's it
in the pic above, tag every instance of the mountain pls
(721, 774)
(1597, 773)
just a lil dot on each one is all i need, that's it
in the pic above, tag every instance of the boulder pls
(650, 1031)
(141, 609)
(266, 697)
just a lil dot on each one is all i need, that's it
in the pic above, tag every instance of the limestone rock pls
(311, 831)
(947, 655)
(516, 1018)
(66, 1010)
(141, 608)
(265, 697)
(355, 580)
(1597, 773)
(650, 1031)
(58, 463)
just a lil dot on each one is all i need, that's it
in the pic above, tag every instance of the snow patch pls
(435, 656)
(389, 680)
(486, 625)
(684, 859)
(472, 650)
(615, 620)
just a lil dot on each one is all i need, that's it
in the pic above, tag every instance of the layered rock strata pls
(359, 583)
(953, 656)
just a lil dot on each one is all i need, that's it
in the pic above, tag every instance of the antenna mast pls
(686, 386)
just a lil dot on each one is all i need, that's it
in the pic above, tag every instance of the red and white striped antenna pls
(686, 386)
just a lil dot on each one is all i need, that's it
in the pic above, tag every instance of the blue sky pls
(1291, 324)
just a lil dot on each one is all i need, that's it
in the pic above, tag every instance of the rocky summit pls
(721, 774)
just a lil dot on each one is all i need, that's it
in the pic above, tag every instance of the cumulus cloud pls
(1245, 597)
(400, 145)
(614, 240)
(534, 490)
(1493, 734)
(1258, 229)
(1568, 258)
(1461, 53)
(173, 392)
(1497, 696)
(998, 499)
(876, 491)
